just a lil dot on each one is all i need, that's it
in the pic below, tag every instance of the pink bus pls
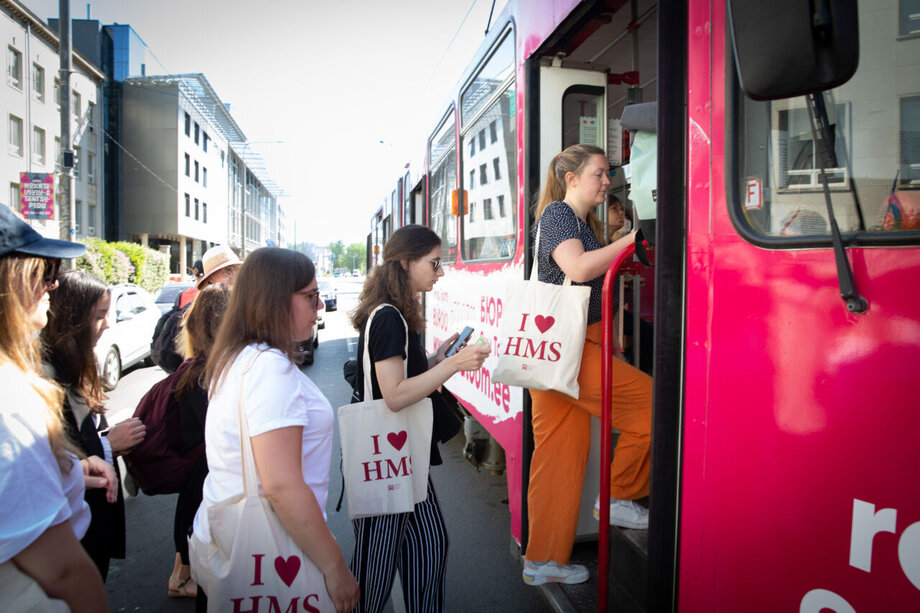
(771, 153)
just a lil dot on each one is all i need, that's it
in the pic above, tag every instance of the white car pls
(132, 317)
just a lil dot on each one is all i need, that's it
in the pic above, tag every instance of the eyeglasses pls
(436, 264)
(52, 269)
(312, 295)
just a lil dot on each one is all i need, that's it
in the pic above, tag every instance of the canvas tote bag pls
(542, 333)
(385, 454)
(251, 558)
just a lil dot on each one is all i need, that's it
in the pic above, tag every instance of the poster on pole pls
(36, 195)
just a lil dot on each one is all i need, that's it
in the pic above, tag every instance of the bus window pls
(489, 148)
(443, 181)
(492, 77)
(873, 168)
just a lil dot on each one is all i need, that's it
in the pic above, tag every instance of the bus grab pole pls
(603, 554)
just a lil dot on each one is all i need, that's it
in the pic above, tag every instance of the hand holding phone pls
(455, 347)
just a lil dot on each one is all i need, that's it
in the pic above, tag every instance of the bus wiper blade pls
(855, 303)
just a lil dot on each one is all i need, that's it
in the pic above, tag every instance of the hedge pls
(124, 262)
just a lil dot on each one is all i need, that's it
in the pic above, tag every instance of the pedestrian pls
(414, 544)
(77, 317)
(220, 265)
(199, 329)
(275, 301)
(42, 481)
(572, 246)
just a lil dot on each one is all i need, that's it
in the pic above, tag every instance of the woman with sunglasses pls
(413, 543)
(274, 302)
(42, 565)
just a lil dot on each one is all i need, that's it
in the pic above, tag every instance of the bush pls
(124, 262)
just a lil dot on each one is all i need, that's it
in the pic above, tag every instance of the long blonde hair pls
(572, 159)
(21, 280)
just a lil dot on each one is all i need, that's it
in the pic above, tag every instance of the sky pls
(353, 88)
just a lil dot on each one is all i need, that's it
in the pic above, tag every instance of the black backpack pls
(163, 344)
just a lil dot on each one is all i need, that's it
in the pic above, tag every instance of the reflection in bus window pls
(490, 79)
(489, 227)
(443, 181)
(872, 162)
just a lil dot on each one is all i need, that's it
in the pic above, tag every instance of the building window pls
(38, 82)
(14, 68)
(910, 17)
(483, 178)
(38, 145)
(498, 174)
(78, 218)
(910, 140)
(472, 212)
(487, 208)
(14, 196)
(15, 135)
(196, 208)
(493, 131)
(188, 206)
(91, 220)
(197, 132)
(75, 102)
(204, 212)
(188, 165)
(472, 177)
(90, 168)
(204, 176)
(482, 139)
(90, 120)
(57, 92)
(472, 147)
(501, 206)
(188, 124)
(76, 162)
(204, 140)
(196, 171)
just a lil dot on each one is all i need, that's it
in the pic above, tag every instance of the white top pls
(276, 395)
(35, 494)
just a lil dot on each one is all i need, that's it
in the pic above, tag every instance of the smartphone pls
(464, 336)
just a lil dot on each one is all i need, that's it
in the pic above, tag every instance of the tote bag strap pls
(368, 385)
(534, 272)
(250, 476)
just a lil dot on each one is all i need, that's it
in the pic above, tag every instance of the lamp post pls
(245, 165)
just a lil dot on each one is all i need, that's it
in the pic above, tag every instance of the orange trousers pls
(562, 432)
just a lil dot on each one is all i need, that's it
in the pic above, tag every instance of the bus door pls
(573, 106)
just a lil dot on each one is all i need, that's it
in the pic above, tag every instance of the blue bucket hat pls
(16, 236)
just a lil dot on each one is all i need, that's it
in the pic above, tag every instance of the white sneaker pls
(624, 513)
(554, 572)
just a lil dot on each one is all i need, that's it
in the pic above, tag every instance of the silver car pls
(132, 317)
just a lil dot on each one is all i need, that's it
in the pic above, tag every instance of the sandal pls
(182, 589)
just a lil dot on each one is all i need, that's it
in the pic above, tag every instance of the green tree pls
(337, 250)
(355, 256)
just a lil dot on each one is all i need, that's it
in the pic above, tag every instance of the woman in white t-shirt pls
(275, 302)
(42, 565)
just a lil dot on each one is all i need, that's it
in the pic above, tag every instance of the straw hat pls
(215, 259)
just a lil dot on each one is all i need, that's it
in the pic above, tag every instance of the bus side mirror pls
(786, 48)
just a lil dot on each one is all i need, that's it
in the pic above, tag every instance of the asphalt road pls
(482, 573)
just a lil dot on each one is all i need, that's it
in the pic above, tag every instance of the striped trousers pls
(415, 544)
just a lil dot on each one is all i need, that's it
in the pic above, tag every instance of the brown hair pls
(388, 282)
(572, 159)
(198, 332)
(259, 310)
(21, 280)
(68, 337)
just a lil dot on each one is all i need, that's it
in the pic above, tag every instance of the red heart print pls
(287, 569)
(544, 323)
(397, 439)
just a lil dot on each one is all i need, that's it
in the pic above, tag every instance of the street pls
(482, 573)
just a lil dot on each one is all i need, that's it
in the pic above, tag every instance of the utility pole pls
(66, 201)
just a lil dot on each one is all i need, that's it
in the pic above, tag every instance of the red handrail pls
(603, 554)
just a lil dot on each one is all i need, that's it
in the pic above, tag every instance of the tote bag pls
(542, 333)
(385, 454)
(251, 558)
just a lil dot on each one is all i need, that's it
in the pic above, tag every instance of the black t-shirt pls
(388, 339)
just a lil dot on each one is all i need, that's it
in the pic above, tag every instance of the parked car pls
(132, 317)
(304, 350)
(168, 294)
(329, 295)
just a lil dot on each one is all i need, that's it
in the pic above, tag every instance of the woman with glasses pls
(413, 543)
(76, 320)
(274, 302)
(42, 565)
